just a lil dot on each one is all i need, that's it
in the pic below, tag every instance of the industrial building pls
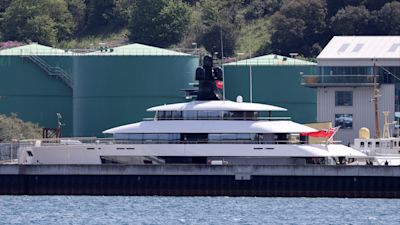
(345, 82)
(36, 83)
(115, 86)
(274, 80)
(93, 91)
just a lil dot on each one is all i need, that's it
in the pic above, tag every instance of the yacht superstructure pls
(209, 130)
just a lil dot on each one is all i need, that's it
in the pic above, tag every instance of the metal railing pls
(8, 152)
(342, 80)
(50, 70)
(111, 141)
(221, 118)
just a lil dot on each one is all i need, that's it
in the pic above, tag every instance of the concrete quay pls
(201, 180)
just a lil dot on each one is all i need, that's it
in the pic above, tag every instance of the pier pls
(202, 180)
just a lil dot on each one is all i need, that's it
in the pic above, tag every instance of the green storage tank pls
(276, 81)
(115, 86)
(36, 83)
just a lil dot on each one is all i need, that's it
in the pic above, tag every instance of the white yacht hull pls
(92, 153)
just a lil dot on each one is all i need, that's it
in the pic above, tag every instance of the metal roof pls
(137, 49)
(34, 49)
(362, 47)
(271, 60)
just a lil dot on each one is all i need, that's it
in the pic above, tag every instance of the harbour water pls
(195, 210)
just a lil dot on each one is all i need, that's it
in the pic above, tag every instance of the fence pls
(8, 152)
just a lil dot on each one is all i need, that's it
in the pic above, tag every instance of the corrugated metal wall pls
(362, 109)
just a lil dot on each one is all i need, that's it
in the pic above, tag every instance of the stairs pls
(51, 70)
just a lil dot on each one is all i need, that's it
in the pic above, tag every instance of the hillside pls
(247, 27)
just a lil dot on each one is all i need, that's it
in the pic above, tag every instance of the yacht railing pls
(222, 118)
(111, 141)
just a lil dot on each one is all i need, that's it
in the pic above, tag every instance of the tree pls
(388, 18)
(288, 34)
(41, 29)
(219, 17)
(299, 26)
(77, 8)
(123, 10)
(353, 20)
(21, 15)
(255, 9)
(159, 22)
(99, 14)
(12, 127)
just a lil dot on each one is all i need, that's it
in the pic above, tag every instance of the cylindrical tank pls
(32, 91)
(364, 133)
(116, 88)
(275, 81)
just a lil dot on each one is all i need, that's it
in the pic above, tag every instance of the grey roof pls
(362, 47)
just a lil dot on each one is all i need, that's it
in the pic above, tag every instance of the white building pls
(345, 84)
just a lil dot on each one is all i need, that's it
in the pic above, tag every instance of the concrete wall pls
(362, 109)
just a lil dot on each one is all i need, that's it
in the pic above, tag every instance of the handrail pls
(221, 118)
(111, 141)
(50, 70)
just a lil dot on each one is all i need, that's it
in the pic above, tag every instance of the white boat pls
(384, 150)
(205, 131)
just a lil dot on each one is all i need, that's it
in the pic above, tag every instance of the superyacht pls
(208, 130)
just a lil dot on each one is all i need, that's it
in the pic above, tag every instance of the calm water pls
(195, 210)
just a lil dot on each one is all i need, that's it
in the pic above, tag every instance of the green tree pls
(99, 14)
(41, 29)
(123, 10)
(11, 127)
(388, 18)
(219, 17)
(255, 9)
(78, 10)
(353, 20)
(299, 26)
(20, 15)
(159, 22)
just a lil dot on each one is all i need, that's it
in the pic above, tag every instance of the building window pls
(345, 121)
(344, 98)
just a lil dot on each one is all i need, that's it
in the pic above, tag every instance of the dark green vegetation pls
(246, 26)
(14, 128)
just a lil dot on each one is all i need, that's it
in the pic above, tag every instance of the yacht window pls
(168, 115)
(190, 115)
(176, 114)
(214, 114)
(369, 144)
(161, 115)
(150, 137)
(243, 136)
(228, 136)
(395, 144)
(214, 137)
(163, 137)
(174, 137)
(377, 144)
(135, 136)
(202, 115)
(362, 144)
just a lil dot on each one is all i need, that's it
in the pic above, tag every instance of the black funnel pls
(210, 80)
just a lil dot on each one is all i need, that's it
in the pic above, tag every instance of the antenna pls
(222, 64)
(375, 99)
